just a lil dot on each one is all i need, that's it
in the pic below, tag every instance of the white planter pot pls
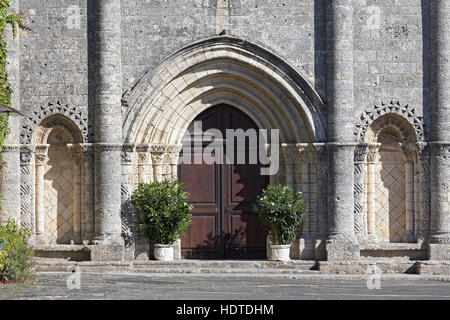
(280, 252)
(163, 252)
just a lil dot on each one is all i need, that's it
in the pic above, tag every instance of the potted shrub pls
(164, 214)
(281, 211)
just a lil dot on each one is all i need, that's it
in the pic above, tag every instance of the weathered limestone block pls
(439, 251)
(107, 252)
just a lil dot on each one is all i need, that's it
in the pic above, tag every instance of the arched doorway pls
(224, 225)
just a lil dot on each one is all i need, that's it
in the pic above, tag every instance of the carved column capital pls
(321, 152)
(26, 153)
(372, 151)
(158, 152)
(173, 154)
(41, 154)
(361, 152)
(127, 153)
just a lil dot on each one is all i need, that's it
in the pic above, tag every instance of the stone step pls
(411, 251)
(370, 265)
(179, 266)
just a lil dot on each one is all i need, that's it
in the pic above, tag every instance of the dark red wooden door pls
(224, 225)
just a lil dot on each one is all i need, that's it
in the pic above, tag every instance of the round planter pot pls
(280, 252)
(163, 252)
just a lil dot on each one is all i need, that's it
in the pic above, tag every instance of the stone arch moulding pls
(222, 70)
(371, 114)
(42, 114)
(53, 122)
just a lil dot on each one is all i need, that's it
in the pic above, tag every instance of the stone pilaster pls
(10, 173)
(360, 219)
(342, 243)
(10, 183)
(107, 93)
(440, 129)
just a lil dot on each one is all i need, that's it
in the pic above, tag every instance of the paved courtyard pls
(225, 287)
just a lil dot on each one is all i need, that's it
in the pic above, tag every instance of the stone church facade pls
(360, 91)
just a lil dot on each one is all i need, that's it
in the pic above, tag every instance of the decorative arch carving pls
(67, 115)
(55, 122)
(373, 113)
(222, 70)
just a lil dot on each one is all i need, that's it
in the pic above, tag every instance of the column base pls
(107, 252)
(320, 249)
(342, 247)
(439, 251)
(306, 248)
(362, 239)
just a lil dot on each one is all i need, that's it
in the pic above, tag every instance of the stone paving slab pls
(53, 286)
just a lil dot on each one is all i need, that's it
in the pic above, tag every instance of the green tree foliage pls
(281, 211)
(16, 258)
(164, 213)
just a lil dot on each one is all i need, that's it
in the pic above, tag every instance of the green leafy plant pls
(164, 213)
(281, 211)
(16, 258)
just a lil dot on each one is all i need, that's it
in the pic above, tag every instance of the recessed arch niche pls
(58, 173)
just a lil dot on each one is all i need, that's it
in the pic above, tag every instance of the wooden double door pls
(224, 224)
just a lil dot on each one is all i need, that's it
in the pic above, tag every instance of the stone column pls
(342, 243)
(127, 208)
(10, 173)
(107, 92)
(173, 154)
(143, 159)
(40, 157)
(440, 128)
(88, 216)
(158, 153)
(306, 241)
(322, 199)
(371, 159)
(410, 154)
(425, 193)
(27, 212)
(78, 159)
(360, 225)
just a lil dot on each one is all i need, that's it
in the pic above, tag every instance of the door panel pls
(224, 225)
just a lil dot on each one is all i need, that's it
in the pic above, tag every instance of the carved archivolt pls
(371, 114)
(51, 111)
